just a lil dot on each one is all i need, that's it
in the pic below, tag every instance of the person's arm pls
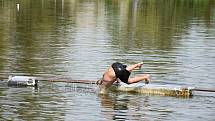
(135, 66)
(144, 77)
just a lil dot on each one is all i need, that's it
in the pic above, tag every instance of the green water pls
(79, 39)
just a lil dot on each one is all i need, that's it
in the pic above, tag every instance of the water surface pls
(79, 39)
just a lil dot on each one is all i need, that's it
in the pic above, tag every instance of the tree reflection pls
(33, 36)
(152, 23)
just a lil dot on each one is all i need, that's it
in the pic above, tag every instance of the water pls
(79, 39)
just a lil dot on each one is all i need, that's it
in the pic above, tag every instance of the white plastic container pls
(22, 81)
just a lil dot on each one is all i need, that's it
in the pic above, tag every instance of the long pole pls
(203, 89)
(94, 82)
(50, 79)
(74, 81)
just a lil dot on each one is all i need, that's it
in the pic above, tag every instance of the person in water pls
(117, 71)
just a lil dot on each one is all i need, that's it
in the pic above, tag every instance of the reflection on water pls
(30, 103)
(116, 107)
(79, 39)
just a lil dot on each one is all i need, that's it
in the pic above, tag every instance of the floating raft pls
(156, 89)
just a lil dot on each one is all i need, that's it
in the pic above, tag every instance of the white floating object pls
(156, 89)
(22, 81)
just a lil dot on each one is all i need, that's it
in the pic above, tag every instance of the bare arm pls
(145, 77)
(135, 66)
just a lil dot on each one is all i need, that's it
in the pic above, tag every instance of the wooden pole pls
(203, 89)
(73, 81)
(51, 79)
(94, 82)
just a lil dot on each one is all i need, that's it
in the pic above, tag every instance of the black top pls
(121, 72)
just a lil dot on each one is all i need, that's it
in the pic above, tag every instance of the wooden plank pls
(155, 89)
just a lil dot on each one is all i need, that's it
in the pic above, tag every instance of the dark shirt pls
(121, 72)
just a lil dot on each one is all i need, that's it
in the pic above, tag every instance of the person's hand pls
(139, 65)
(147, 78)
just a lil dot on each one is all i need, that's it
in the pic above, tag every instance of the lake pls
(80, 39)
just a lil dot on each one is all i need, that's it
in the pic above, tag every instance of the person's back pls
(109, 75)
(107, 80)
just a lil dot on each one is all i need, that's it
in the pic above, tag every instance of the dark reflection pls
(134, 107)
(120, 108)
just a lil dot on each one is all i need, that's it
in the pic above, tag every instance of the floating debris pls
(22, 81)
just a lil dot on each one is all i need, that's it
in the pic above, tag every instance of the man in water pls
(117, 71)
